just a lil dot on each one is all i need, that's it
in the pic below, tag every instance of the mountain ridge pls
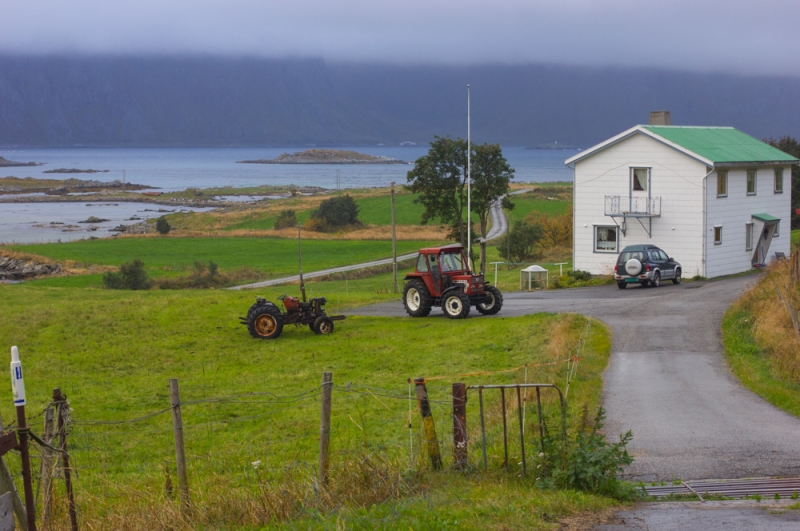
(206, 101)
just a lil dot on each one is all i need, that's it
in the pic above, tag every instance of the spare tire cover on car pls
(633, 267)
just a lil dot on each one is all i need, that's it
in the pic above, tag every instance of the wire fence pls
(255, 437)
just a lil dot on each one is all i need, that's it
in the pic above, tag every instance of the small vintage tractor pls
(443, 278)
(265, 320)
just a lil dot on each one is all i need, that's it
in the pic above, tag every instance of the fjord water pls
(172, 169)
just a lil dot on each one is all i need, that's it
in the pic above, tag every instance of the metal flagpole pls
(469, 188)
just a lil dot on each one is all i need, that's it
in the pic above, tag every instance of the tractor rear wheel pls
(494, 302)
(456, 305)
(323, 325)
(417, 299)
(265, 322)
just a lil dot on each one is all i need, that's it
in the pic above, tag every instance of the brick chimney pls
(660, 118)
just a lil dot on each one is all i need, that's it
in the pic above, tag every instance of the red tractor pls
(443, 278)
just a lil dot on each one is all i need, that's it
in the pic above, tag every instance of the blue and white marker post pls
(18, 388)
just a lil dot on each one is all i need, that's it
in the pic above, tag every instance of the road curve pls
(668, 381)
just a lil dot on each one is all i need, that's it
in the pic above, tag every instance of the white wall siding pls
(675, 177)
(733, 212)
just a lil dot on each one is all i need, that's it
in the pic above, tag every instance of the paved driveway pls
(668, 382)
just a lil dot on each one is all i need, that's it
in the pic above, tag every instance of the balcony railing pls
(633, 206)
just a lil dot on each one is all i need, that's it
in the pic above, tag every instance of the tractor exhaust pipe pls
(300, 262)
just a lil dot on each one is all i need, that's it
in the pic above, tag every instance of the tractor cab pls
(443, 277)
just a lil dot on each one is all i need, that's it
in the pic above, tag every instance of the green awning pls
(765, 218)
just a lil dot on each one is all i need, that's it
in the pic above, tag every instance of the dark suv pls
(647, 265)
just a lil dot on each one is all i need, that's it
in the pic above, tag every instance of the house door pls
(640, 190)
(764, 241)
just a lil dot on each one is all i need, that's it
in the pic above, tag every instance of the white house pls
(715, 199)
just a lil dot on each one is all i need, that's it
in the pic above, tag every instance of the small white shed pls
(532, 274)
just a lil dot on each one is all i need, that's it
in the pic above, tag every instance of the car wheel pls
(622, 285)
(656, 280)
(677, 278)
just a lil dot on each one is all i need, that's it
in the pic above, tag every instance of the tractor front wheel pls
(417, 299)
(323, 325)
(494, 301)
(456, 305)
(265, 322)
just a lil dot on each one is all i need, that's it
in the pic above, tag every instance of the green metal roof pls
(765, 217)
(721, 144)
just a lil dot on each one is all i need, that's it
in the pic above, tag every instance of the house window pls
(639, 179)
(748, 236)
(605, 239)
(718, 235)
(751, 182)
(722, 184)
(779, 181)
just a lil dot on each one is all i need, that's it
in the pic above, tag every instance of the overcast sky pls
(741, 36)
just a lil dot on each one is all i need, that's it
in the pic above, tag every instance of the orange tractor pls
(443, 278)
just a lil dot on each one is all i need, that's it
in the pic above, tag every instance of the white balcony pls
(635, 207)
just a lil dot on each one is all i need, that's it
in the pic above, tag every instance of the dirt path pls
(668, 381)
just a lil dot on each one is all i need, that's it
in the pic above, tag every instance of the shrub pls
(286, 219)
(338, 211)
(162, 226)
(524, 237)
(131, 275)
(316, 224)
(580, 275)
(585, 460)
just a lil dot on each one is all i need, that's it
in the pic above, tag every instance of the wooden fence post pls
(325, 428)
(47, 469)
(62, 409)
(180, 452)
(460, 425)
(427, 422)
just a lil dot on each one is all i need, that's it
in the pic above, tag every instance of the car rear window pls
(624, 257)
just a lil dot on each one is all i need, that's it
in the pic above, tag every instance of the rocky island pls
(5, 163)
(74, 170)
(325, 156)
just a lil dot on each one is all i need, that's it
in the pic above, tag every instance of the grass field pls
(113, 352)
(274, 257)
(524, 206)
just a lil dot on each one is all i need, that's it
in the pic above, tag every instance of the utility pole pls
(469, 186)
(394, 246)
(300, 263)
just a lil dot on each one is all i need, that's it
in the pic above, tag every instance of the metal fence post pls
(460, 425)
(180, 451)
(325, 428)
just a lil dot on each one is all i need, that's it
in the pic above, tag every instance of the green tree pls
(162, 225)
(439, 179)
(524, 237)
(790, 145)
(338, 211)
(131, 275)
(490, 175)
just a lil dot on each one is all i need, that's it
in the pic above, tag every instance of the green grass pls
(113, 353)
(275, 257)
(524, 206)
(752, 365)
(795, 238)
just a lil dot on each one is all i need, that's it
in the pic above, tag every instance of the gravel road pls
(668, 381)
